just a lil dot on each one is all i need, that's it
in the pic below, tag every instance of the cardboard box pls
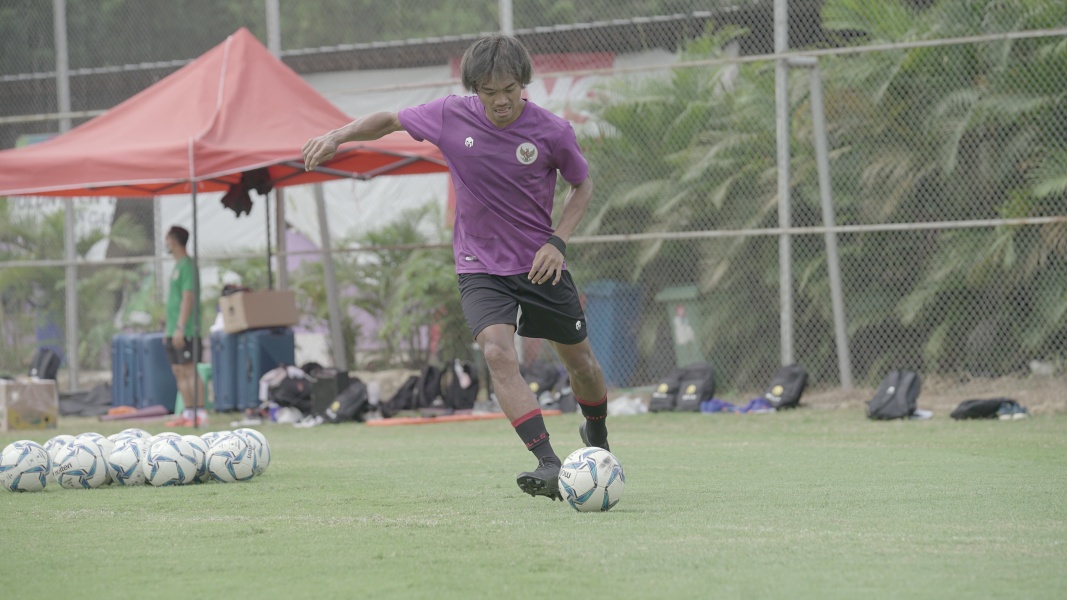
(28, 404)
(254, 310)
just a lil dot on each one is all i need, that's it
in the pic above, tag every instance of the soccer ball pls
(231, 459)
(54, 446)
(105, 444)
(24, 466)
(260, 447)
(166, 435)
(135, 432)
(169, 462)
(200, 448)
(212, 436)
(591, 479)
(124, 464)
(81, 464)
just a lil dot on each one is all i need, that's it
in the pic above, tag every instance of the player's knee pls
(584, 367)
(499, 356)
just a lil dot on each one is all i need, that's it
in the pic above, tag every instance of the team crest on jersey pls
(526, 153)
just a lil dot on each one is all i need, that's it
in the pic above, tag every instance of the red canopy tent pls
(236, 108)
(233, 110)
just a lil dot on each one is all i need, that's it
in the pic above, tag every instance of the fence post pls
(785, 243)
(59, 25)
(833, 264)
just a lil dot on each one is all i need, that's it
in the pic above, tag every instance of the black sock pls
(531, 428)
(596, 416)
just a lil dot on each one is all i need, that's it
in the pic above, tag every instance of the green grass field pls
(806, 504)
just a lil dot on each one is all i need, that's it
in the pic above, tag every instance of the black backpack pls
(786, 387)
(666, 394)
(458, 397)
(896, 397)
(294, 392)
(541, 377)
(350, 405)
(428, 390)
(45, 364)
(696, 385)
(403, 399)
(979, 408)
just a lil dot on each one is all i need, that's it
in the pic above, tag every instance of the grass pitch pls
(805, 504)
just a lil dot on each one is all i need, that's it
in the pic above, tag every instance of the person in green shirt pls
(182, 333)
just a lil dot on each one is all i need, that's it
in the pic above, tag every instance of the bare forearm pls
(370, 127)
(184, 311)
(574, 209)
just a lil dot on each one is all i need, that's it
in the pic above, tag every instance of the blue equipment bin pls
(224, 370)
(155, 381)
(613, 315)
(259, 351)
(123, 369)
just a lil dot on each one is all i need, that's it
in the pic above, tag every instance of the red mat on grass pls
(445, 419)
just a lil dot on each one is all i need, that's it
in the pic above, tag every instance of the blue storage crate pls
(259, 351)
(224, 370)
(154, 381)
(123, 369)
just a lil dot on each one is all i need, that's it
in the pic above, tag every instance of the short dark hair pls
(495, 57)
(180, 235)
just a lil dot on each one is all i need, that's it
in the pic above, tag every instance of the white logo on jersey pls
(526, 153)
(469, 142)
(578, 325)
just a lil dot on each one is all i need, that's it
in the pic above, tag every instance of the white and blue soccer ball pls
(81, 464)
(260, 447)
(24, 466)
(165, 435)
(135, 432)
(231, 458)
(54, 446)
(125, 462)
(200, 448)
(169, 461)
(212, 436)
(105, 444)
(591, 480)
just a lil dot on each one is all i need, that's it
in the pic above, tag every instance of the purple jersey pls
(505, 179)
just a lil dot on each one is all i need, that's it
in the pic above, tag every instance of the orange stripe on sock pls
(533, 413)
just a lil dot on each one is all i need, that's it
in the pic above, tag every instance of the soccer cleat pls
(588, 442)
(542, 481)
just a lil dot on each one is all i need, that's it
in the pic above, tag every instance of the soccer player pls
(183, 321)
(504, 153)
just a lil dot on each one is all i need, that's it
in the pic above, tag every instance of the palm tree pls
(970, 131)
(36, 296)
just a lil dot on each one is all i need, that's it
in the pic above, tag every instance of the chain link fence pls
(945, 127)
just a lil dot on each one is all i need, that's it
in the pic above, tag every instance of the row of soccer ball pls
(134, 457)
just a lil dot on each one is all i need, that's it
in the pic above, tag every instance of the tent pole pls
(266, 214)
(279, 243)
(340, 357)
(196, 313)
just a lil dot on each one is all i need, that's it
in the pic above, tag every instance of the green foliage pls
(403, 276)
(943, 133)
(34, 296)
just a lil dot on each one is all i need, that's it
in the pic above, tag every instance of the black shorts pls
(552, 312)
(185, 355)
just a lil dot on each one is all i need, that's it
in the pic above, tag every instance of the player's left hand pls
(179, 340)
(547, 264)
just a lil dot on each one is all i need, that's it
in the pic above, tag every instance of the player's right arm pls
(371, 127)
